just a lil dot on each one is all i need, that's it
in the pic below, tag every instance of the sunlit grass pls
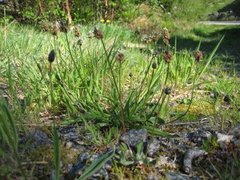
(102, 83)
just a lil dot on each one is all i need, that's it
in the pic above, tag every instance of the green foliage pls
(129, 157)
(9, 137)
(89, 81)
(211, 144)
(97, 164)
(8, 128)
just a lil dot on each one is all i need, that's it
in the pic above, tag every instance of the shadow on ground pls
(234, 7)
(229, 48)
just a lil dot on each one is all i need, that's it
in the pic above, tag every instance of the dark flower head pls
(167, 90)
(166, 41)
(198, 55)
(77, 32)
(165, 36)
(154, 65)
(155, 37)
(55, 30)
(45, 27)
(167, 56)
(130, 75)
(120, 57)
(80, 42)
(51, 56)
(63, 26)
(97, 33)
(155, 53)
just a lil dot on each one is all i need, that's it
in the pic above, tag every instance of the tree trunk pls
(105, 15)
(41, 11)
(68, 9)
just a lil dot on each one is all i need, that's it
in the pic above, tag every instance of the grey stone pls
(180, 176)
(153, 146)
(36, 138)
(71, 137)
(199, 136)
(133, 137)
(236, 132)
(189, 156)
(176, 176)
(76, 169)
(224, 139)
(152, 176)
(83, 162)
(101, 174)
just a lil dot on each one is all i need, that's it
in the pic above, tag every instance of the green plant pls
(97, 164)
(9, 134)
(129, 157)
(210, 144)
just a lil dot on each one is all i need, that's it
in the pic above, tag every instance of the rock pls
(36, 138)
(224, 139)
(164, 162)
(101, 174)
(76, 169)
(153, 146)
(69, 133)
(176, 176)
(152, 176)
(235, 132)
(199, 136)
(189, 156)
(133, 137)
(83, 162)
(71, 137)
(237, 143)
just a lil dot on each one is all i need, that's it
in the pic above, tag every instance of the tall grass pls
(91, 80)
(9, 135)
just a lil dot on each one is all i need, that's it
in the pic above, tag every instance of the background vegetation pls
(93, 10)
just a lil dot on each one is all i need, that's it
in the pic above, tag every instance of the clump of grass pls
(91, 78)
(9, 135)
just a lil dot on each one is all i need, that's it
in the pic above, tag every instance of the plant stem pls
(115, 83)
(165, 82)
(51, 85)
(79, 74)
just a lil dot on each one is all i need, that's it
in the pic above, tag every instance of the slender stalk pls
(51, 85)
(143, 80)
(144, 99)
(115, 83)
(5, 28)
(191, 100)
(79, 73)
(189, 106)
(110, 66)
(165, 82)
(120, 95)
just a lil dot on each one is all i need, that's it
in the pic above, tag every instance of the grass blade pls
(157, 132)
(210, 58)
(97, 164)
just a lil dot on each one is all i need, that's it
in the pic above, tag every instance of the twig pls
(34, 162)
